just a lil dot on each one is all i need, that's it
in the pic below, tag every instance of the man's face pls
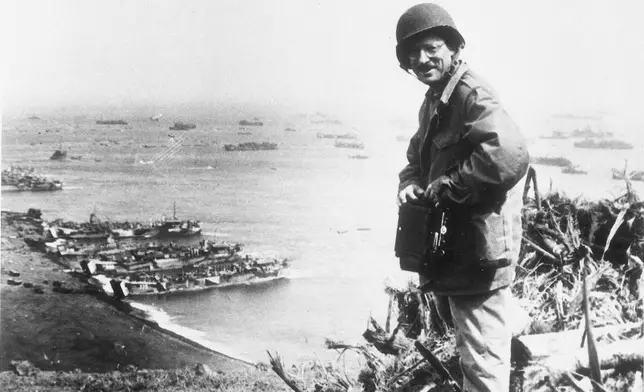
(430, 59)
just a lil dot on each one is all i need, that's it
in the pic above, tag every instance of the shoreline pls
(139, 311)
(82, 330)
(204, 344)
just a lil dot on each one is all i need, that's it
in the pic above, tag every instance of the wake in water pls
(164, 321)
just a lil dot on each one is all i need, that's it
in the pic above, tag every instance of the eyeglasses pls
(429, 50)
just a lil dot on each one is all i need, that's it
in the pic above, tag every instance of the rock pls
(34, 213)
(45, 281)
(24, 368)
(203, 370)
(13, 273)
(39, 289)
(14, 282)
(28, 285)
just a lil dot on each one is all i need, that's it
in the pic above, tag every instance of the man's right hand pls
(410, 192)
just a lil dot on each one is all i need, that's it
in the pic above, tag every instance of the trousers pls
(483, 337)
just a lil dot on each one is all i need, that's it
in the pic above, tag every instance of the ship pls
(24, 179)
(612, 144)
(251, 146)
(181, 126)
(587, 132)
(111, 122)
(552, 161)
(345, 144)
(322, 135)
(177, 228)
(254, 122)
(573, 169)
(97, 230)
(233, 270)
(13, 174)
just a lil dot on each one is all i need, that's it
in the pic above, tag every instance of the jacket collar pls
(461, 68)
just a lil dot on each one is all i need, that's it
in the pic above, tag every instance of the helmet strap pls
(456, 61)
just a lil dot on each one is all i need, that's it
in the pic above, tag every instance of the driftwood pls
(540, 250)
(392, 344)
(438, 366)
(625, 354)
(541, 346)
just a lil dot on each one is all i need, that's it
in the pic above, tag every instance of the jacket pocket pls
(482, 241)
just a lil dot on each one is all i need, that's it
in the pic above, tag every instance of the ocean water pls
(333, 216)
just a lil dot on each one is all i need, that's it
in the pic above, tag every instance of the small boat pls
(345, 144)
(254, 122)
(251, 146)
(612, 144)
(111, 122)
(587, 132)
(552, 161)
(180, 126)
(321, 135)
(573, 169)
(59, 155)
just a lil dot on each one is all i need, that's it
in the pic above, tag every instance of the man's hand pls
(410, 192)
(435, 189)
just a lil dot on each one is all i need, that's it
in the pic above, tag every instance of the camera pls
(422, 237)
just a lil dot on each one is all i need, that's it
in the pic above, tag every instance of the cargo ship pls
(111, 122)
(251, 146)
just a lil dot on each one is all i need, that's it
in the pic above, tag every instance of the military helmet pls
(420, 19)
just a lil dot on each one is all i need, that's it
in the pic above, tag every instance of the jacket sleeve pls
(499, 156)
(411, 174)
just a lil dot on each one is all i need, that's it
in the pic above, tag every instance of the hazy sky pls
(545, 56)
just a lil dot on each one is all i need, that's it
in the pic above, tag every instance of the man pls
(467, 157)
